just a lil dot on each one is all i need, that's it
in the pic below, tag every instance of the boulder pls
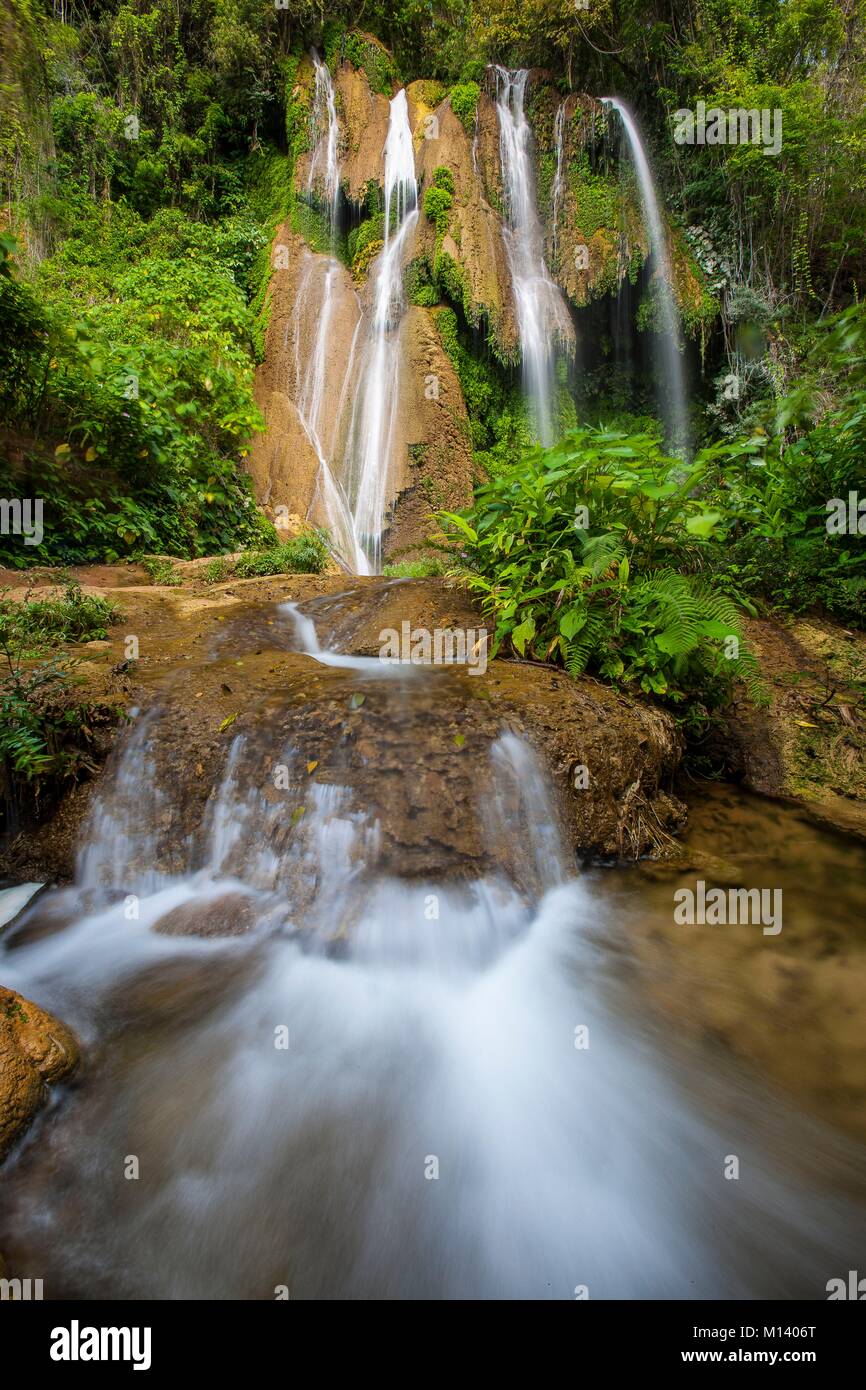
(35, 1050)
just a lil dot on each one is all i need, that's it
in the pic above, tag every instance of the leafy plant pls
(590, 554)
(414, 569)
(68, 615)
(304, 554)
(46, 735)
(161, 570)
(464, 103)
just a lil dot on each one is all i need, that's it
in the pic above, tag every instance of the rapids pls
(385, 1086)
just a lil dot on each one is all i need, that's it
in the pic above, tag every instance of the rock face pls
(474, 241)
(364, 128)
(283, 461)
(318, 335)
(224, 664)
(808, 740)
(435, 431)
(35, 1050)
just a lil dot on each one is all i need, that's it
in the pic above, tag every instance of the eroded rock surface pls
(35, 1050)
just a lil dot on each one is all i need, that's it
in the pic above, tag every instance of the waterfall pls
(324, 165)
(542, 318)
(669, 364)
(368, 471)
(315, 407)
(559, 177)
(313, 403)
(290, 1034)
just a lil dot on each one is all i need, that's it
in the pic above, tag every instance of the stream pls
(305, 1075)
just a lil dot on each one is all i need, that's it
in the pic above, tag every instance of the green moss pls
(372, 229)
(498, 425)
(418, 282)
(269, 189)
(546, 175)
(312, 225)
(364, 259)
(597, 197)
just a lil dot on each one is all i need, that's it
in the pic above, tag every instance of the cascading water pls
(318, 283)
(543, 322)
(324, 168)
(316, 408)
(376, 1090)
(368, 465)
(559, 176)
(670, 375)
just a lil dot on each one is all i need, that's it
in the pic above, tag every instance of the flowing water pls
(353, 427)
(324, 171)
(544, 326)
(315, 377)
(670, 376)
(382, 1087)
(369, 466)
(319, 284)
(559, 176)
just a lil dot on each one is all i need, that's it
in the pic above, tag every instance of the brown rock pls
(231, 915)
(35, 1050)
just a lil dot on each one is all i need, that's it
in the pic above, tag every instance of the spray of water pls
(559, 176)
(368, 465)
(543, 322)
(669, 366)
(377, 1091)
(324, 170)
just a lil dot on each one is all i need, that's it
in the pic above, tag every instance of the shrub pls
(161, 570)
(414, 569)
(305, 554)
(217, 570)
(33, 625)
(464, 103)
(577, 552)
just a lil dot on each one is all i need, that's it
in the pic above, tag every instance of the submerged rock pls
(233, 914)
(35, 1050)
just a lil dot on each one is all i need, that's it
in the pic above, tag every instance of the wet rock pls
(807, 741)
(231, 915)
(35, 1050)
(283, 462)
(419, 764)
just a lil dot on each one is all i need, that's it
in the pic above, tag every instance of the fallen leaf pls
(231, 719)
(297, 814)
(357, 701)
(311, 767)
(804, 724)
(459, 740)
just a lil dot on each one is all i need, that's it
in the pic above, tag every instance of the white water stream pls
(378, 1090)
(543, 323)
(369, 466)
(670, 376)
